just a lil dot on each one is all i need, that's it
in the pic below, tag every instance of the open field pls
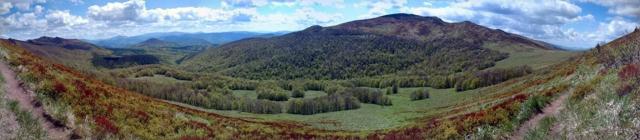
(370, 116)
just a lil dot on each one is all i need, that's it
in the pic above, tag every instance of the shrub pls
(531, 106)
(629, 72)
(272, 93)
(395, 88)
(106, 125)
(389, 91)
(581, 90)
(485, 78)
(259, 106)
(297, 93)
(419, 94)
(322, 104)
(332, 89)
(366, 95)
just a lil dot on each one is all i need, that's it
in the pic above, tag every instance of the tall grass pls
(30, 128)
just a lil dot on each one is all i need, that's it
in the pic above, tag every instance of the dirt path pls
(27, 102)
(552, 109)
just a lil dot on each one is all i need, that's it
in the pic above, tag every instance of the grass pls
(370, 116)
(601, 113)
(542, 131)
(28, 126)
(536, 58)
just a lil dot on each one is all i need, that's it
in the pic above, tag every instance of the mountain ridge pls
(361, 47)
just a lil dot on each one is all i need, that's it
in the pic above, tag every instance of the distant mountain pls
(393, 44)
(71, 52)
(155, 43)
(428, 29)
(184, 39)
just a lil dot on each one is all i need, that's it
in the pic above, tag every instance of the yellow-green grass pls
(372, 117)
(536, 58)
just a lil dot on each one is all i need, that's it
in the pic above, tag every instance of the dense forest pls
(124, 61)
(332, 53)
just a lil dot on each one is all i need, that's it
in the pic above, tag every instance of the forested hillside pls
(394, 44)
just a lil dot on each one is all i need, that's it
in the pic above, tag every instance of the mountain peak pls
(46, 39)
(155, 42)
(405, 16)
(152, 40)
(314, 28)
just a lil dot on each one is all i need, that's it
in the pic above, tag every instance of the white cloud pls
(5, 8)
(21, 25)
(117, 11)
(536, 19)
(63, 18)
(24, 5)
(228, 4)
(77, 2)
(613, 29)
(381, 7)
(38, 9)
(620, 7)
(133, 17)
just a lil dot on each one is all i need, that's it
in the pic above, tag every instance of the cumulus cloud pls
(133, 17)
(38, 9)
(616, 27)
(537, 19)
(5, 8)
(117, 11)
(22, 25)
(63, 18)
(77, 2)
(620, 7)
(259, 3)
(382, 7)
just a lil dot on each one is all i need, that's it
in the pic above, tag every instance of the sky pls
(570, 23)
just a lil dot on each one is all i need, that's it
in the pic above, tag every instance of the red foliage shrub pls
(624, 89)
(59, 87)
(628, 72)
(200, 125)
(106, 125)
(143, 116)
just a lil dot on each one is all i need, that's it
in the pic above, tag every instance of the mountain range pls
(181, 38)
(390, 44)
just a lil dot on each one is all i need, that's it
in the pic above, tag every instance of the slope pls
(96, 110)
(70, 52)
(394, 44)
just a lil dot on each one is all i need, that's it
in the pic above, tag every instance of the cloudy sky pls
(573, 23)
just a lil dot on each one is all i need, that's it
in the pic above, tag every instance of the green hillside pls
(400, 44)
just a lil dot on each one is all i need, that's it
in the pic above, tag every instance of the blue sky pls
(571, 23)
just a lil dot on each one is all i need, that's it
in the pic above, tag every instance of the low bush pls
(272, 93)
(419, 94)
(322, 104)
(259, 106)
(297, 93)
(531, 106)
(366, 95)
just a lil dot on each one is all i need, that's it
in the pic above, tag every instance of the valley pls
(394, 76)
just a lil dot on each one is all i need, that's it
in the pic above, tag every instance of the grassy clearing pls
(369, 116)
(535, 58)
